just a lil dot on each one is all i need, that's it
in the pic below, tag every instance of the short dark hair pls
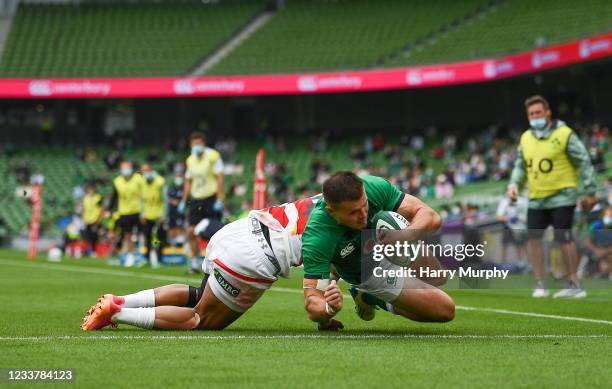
(537, 99)
(342, 186)
(197, 135)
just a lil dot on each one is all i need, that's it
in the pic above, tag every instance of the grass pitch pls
(500, 338)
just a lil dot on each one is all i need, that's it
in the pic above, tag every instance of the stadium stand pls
(166, 38)
(293, 167)
(142, 39)
(339, 35)
(514, 25)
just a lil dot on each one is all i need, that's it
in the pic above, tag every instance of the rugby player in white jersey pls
(243, 260)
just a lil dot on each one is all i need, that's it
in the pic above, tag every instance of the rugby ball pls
(388, 220)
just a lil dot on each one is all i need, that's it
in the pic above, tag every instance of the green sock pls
(373, 300)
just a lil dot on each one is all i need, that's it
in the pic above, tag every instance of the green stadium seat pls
(118, 40)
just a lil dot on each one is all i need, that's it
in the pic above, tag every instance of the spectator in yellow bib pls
(203, 191)
(153, 211)
(127, 200)
(551, 159)
(92, 214)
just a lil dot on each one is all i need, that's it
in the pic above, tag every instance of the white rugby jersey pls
(286, 223)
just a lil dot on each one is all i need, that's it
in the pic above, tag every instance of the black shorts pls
(175, 218)
(129, 223)
(561, 218)
(91, 233)
(198, 209)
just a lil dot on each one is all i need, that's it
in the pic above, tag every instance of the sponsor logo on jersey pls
(274, 263)
(225, 284)
(347, 250)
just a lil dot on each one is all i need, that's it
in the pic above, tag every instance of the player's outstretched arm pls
(323, 305)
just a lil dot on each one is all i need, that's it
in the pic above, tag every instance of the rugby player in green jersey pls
(331, 247)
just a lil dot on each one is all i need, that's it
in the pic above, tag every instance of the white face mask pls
(178, 181)
(197, 149)
(148, 175)
(126, 171)
(607, 220)
(537, 123)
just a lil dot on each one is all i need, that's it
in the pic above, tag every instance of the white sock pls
(142, 299)
(139, 317)
(194, 262)
(390, 308)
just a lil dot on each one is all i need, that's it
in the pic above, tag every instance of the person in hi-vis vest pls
(127, 200)
(552, 160)
(203, 191)
(92, 214)
(153, 210)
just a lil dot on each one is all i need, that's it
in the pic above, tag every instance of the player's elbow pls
(435, 220)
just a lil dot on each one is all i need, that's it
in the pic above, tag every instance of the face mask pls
(537, 124)
(197, 149)
(607, 220)
(178, 181)
(126, 171)
(148, 176)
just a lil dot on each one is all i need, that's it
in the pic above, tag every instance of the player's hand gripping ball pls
(387, 225)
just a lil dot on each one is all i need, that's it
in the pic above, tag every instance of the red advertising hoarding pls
(578, 51)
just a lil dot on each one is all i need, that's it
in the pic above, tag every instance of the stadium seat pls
(339, 34)
(140, 39)
(513, 26)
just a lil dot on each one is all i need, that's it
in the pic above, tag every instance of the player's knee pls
(189, 324)
(563, 236)
(446, 311)
(194, 322)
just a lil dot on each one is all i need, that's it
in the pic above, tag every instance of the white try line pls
(294, 337)
(124, 273)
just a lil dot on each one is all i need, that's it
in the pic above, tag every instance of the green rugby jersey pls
(326, 243)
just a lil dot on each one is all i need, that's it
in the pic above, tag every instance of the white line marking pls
(110, 272)
(533, 314)
(298, 337)
(124, 273)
